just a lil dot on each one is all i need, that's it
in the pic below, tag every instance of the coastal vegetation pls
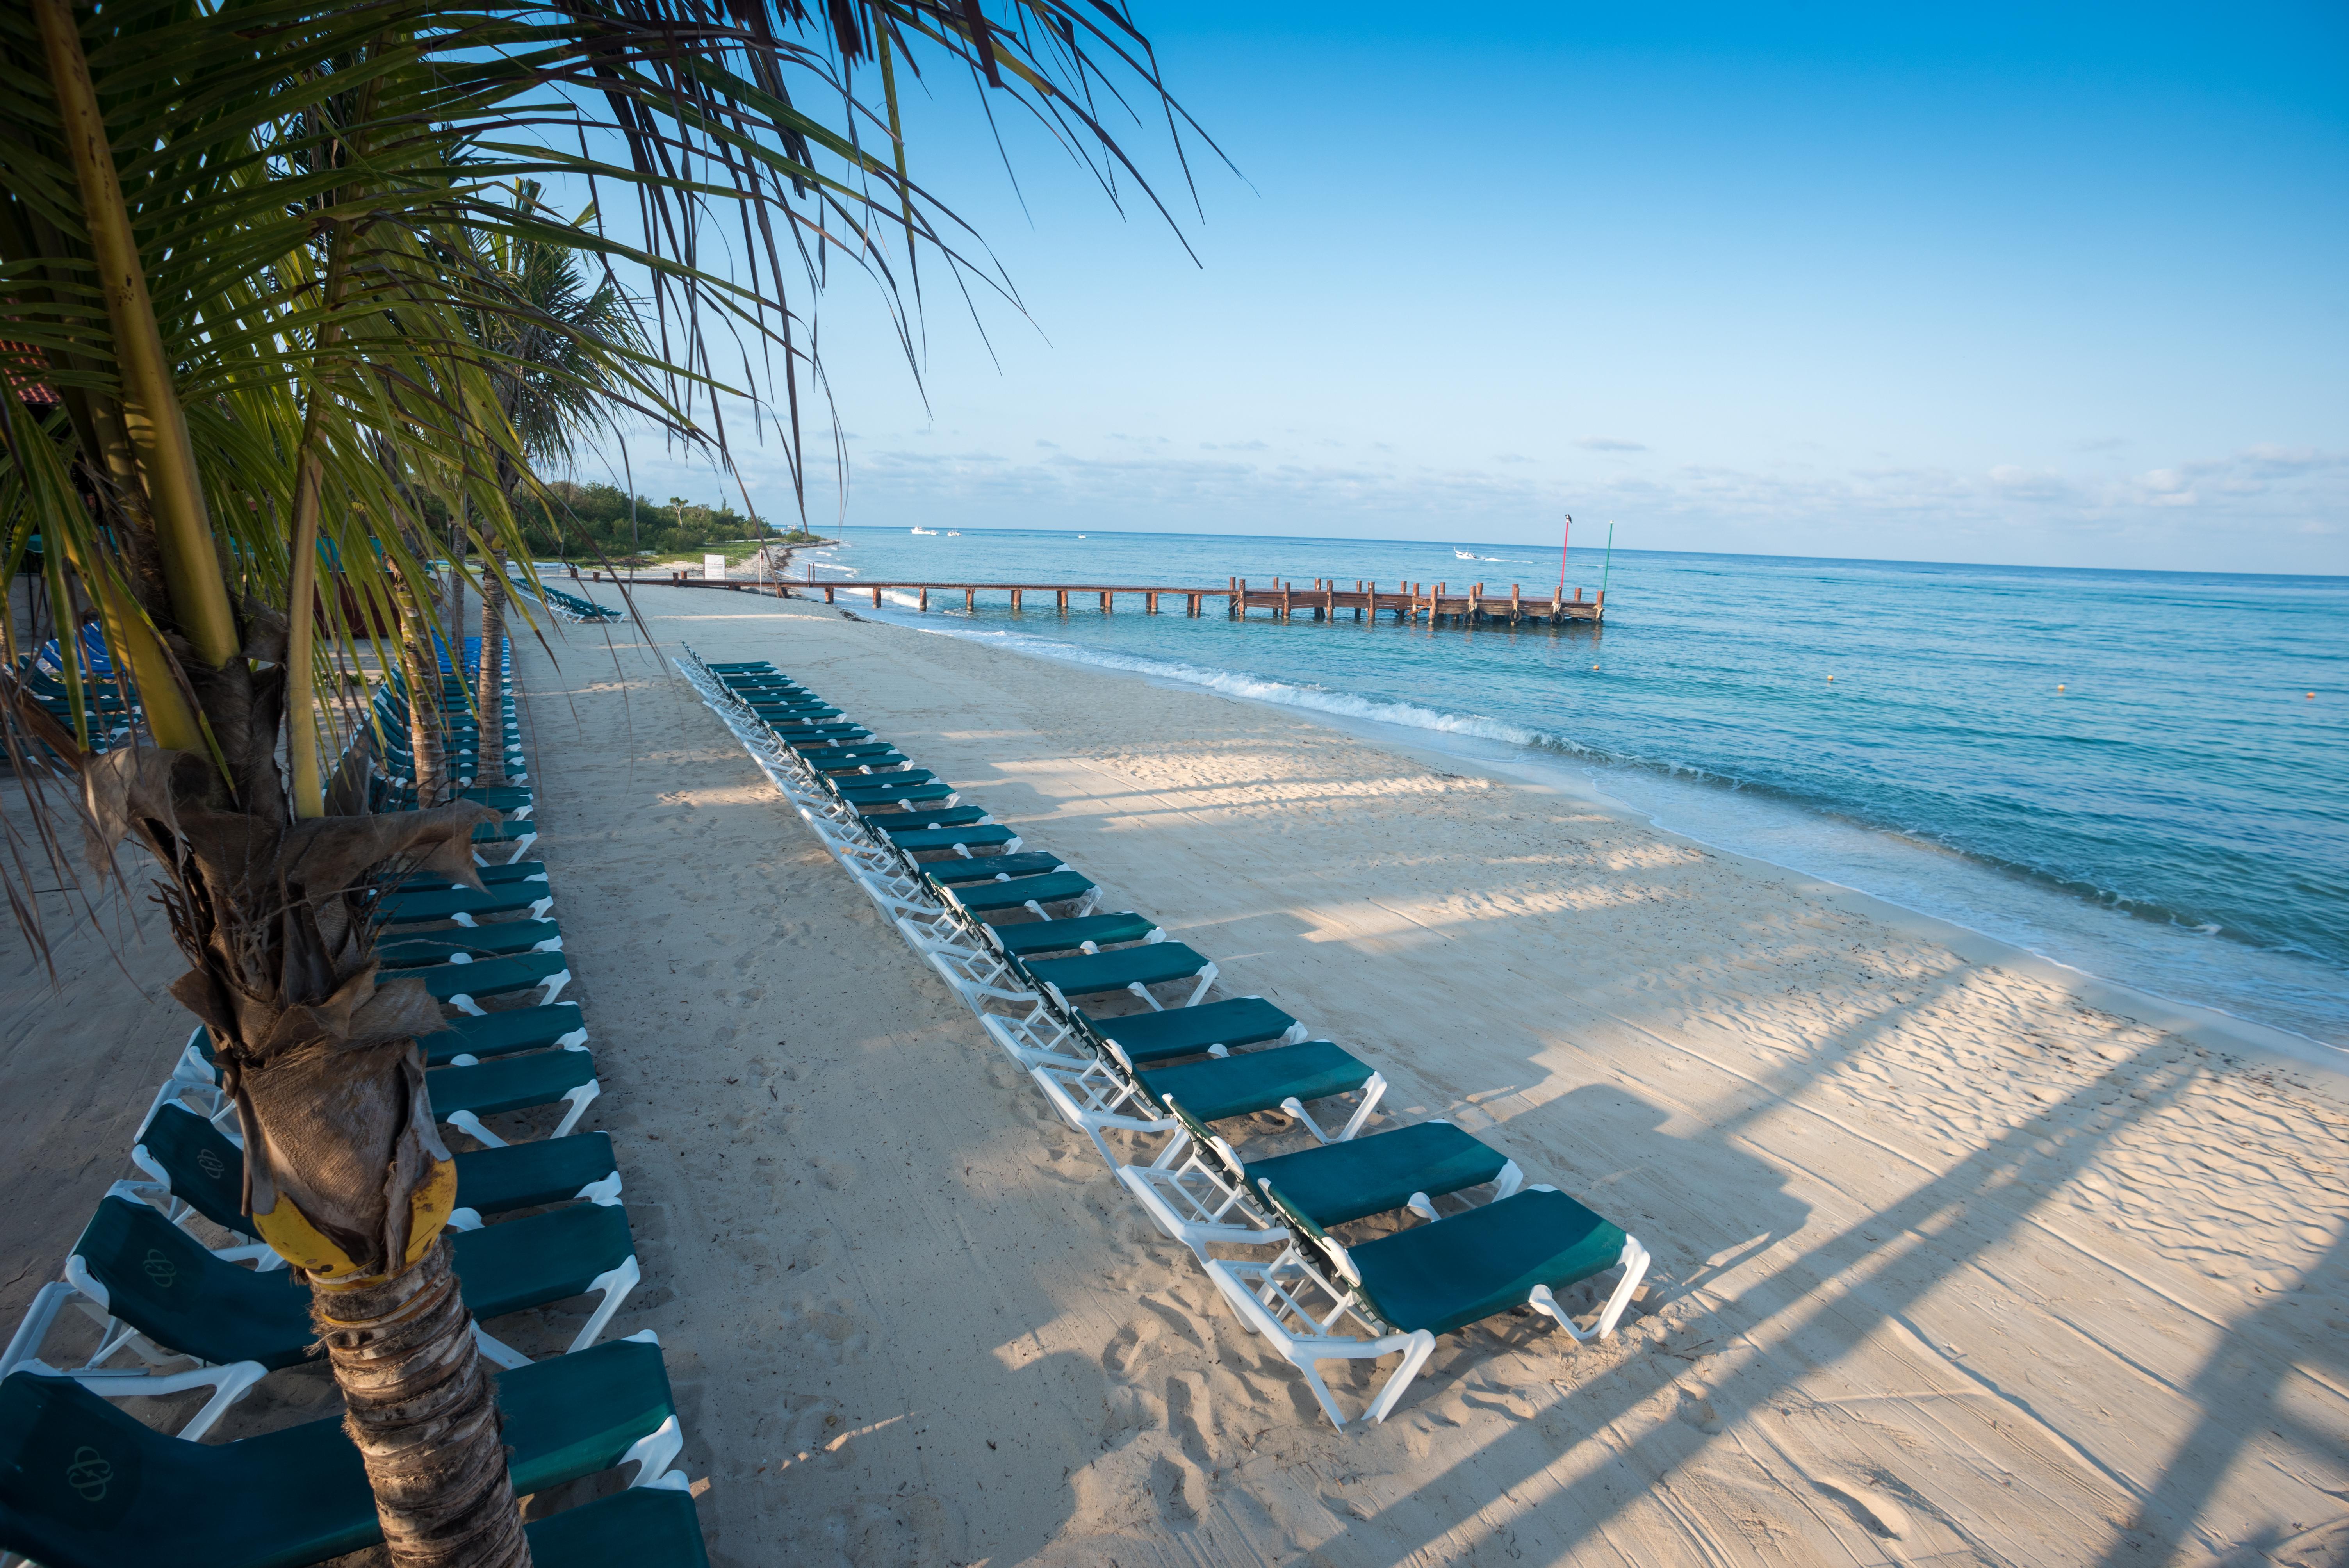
(288, 317)
(583, 522)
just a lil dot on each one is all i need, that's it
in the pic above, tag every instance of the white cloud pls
(1610, 444)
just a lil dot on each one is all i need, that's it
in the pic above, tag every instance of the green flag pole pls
(1608, 565)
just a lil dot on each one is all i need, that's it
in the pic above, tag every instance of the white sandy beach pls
(1958, 1260)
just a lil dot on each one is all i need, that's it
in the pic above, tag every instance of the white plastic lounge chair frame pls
(229, 1384)
(232, 1381)
(1295, 1304)
(548, 989)
(579, 1099)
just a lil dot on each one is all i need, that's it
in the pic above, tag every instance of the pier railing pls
(1323, 601)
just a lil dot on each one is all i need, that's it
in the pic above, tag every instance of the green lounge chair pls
(464, 1092)
(463, 1088)
(158, 1292)
(463, 905)
(1088, 932)
(512, 800)
(833, 741)
(914, 796)
(917, 818)
(979, 899)
(1282, 1077)
(468, 1040)
(961, 838)
(896, 777)
(197, 1169)
(1134, 969)
(1212, 1029)
(990, 868)
(516, 872)
(1210, 1195)
(83, 1485)
(884, 786)
(1404, 1168)
(1105, 1094)
(861, 761)
(460, 984)
(924, 820)
(493, 941)
(1403, 1290)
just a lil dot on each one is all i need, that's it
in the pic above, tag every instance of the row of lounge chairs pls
(1163, 1090)
(566, 606)
(185, 1296)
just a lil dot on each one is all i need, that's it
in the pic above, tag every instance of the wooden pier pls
(1325, 599)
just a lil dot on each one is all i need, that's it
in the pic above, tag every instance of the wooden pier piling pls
(1478, 603)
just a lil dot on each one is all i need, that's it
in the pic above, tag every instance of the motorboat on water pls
(929, 530)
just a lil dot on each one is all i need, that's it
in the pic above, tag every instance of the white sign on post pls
(713, 569)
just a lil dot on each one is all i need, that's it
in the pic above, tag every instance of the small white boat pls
(954, 533)
(929, 530)
(1458, 552)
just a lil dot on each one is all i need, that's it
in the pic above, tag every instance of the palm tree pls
(553, 338)
(235, 242)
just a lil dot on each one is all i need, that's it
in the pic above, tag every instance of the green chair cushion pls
(1094, 972)
(1036, 936)
(1451, 1273)
(206, 1171)
(524, 1175)
(643, 1527)
(488, 976)
(890, 819)
(161, 1281)
(893, 792)
(477, 941)
(897, 777)
(1058, 887)
(541, 1258)
(512, 1083)
(1251, 1081)
(832, 740)
(1375, 1175)
(830, 762)
(1147, 1038)
(970, 835)
(408, 908)
(987, 868)
(502, 1033)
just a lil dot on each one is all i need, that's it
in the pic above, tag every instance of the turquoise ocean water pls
(2175, 818)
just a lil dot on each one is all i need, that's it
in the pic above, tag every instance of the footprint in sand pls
(1126, 1347)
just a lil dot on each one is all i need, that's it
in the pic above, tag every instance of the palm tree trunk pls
(455, 619)
(489, 755)
(422, 674)
(422, 1411)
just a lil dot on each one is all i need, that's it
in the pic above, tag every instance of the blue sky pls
(2055, 285)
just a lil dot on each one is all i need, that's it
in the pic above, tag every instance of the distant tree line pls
(595, 519)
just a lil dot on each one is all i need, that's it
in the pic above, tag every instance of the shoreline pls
(2227, 1029)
